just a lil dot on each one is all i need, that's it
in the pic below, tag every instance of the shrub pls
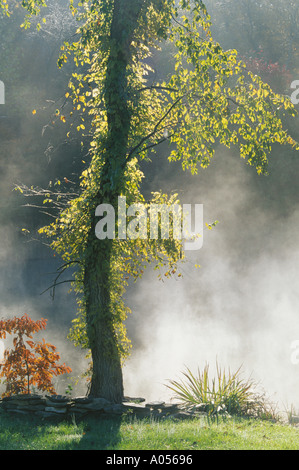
(227, 393)
(29, 363)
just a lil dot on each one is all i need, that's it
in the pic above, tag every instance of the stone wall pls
(57, 406)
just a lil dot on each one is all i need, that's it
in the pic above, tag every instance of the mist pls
(239, 308)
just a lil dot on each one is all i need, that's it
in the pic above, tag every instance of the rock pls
(155, 405)
(24, 402)
(171, 407)
(24, 396)
(82, 400)
(53, 409)
(82, 411)
(32, 399)
(61, 406)
(19, 412)
(35, 402)
(58, 398)
(97, 404)
(181, 415)
(137, 409)
(133, 400)
(31, 408)
(58, 404)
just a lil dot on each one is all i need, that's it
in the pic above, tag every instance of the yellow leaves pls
(34, 112)
(261, 93)
(291, 141)
(224, 122)
(259, 170)
(211, 226)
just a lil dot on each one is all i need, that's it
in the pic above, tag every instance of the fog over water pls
(241, 307)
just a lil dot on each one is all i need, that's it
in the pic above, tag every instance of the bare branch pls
(54, 287)
(60, 271)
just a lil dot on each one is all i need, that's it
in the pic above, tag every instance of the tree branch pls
(54, 287)
(151, 134)
(157, 87)
(60, 271)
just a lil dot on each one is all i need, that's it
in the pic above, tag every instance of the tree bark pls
(107, 381)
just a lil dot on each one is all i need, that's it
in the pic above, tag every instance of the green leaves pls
(221, 101)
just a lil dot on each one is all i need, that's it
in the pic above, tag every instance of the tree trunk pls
(107, 379)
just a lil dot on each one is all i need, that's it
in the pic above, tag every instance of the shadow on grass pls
(100, 433)
(19, 432)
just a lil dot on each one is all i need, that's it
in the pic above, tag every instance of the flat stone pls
(32, 402)
(171, 407)
(133, 405)
(53, 409)
(155, 404)
(17, 403)
(136, 408)
(31, 408)
(19, 412)
(8, 406)
(97, 404)
(58, 404)
(58, 398)
(22, 397)
(79, 409)
(133, 400)
(82, 400)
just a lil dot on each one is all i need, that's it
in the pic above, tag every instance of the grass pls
(19, 433)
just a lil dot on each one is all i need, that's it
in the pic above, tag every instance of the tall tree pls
(209, 98)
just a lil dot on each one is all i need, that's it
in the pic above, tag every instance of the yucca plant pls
(226, 393)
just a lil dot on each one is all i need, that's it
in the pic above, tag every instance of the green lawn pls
(18, 433)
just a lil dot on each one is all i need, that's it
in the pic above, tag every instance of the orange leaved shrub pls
(29, 363)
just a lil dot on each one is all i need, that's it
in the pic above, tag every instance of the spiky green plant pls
(226, 393)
